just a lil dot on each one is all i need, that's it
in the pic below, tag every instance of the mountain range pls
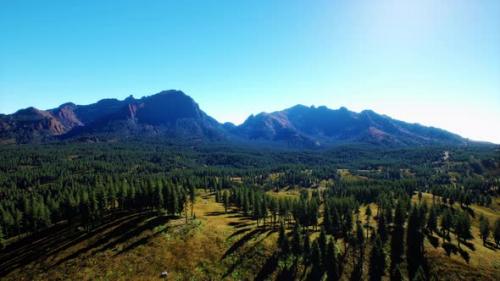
(174, 115)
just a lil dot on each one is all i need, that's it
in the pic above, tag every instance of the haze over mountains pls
(174, 115)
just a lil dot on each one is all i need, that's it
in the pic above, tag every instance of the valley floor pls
(210, 245)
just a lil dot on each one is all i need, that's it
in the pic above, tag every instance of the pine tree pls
(382, 228)
(360, 236)
(496, 232)
(2, 243)
(331, 263)
(226, 201)
(283, 244)
(397, 274)
(327, 221)
(357, 272)
(322, 242)
(462, 227)
(484, 228)
(368, 214)
(419, 275)
(377, 261)
(316, 262)
(192, 198)
(397, 238)
(296, 243)
(432, 220)
(306, 252)
(446, 223)
(414, 241)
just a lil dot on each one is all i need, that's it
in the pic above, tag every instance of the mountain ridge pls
(173, 114)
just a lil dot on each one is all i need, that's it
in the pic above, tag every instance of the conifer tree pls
(462, 227)
(496, 232)
(322, 242)
(1, 239)
(414, 241)
(382, 228)
(283, 244)
(296, 243)
(397, 238)
(368, 214)
(397, 274)
(377, 261)
(226, 201)
(331, 263)
(357, 272)
(360, 238)
(446, 223)
(484, 228)
(306, 252)
(316, 262)
(432, 220)
(419, 275)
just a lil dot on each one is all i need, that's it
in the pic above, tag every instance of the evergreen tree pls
(283, 244)
(368, 214)
(382, 228)
(397, 274)
(432, 220)
(296, 243)
(414, 241)
(377, 261)
(192, 198)
(446, 223)
(496, 232)
(331, 263)
(484, 228)
(306, 252)
(360, 237)
(357, 271)
(1, 239)
(419, 275)
(226, 201)
(397, 238)
(322, 242)
(462, 227)
(316, 262)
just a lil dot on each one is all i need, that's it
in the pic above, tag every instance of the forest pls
(355, 213)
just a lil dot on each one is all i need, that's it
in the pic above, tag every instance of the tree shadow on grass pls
(120, 234)
(453, 249)
(215, 213)
(432, 239)
(49, 244)
(149, 224)
(468, 245)
(248, 255)
(268, 268)
(240, 224)
(238, 232)
(469, 210)
(464, 254)
(490, 246)
(245, 238)
(140, 242)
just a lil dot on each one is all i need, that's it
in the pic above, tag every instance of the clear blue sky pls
(428, 61)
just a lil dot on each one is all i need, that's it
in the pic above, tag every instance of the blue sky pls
(436, 62)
